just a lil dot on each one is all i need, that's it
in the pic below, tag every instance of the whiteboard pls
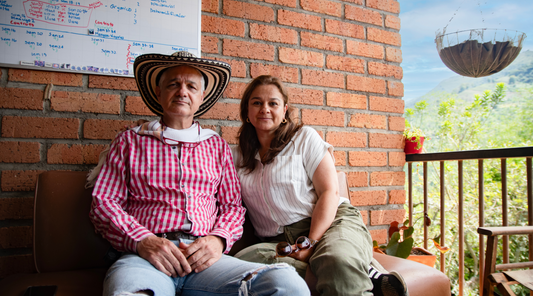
(91, 36)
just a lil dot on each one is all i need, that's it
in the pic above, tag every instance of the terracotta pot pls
(428, 259)
(410, 145)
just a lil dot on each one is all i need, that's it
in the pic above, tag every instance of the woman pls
(290, 188)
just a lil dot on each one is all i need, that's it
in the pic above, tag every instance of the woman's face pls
(266, 108)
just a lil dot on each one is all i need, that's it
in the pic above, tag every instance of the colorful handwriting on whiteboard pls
(69, 15)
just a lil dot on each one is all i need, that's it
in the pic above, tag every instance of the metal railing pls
(459, 157)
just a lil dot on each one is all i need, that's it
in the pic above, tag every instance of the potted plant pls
(413, 135)
(401, 245)
(414, 140)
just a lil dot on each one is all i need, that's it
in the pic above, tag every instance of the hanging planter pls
(479, 52)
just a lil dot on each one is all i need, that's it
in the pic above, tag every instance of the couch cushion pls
(64, 237)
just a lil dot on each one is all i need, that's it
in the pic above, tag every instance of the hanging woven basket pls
(479, 52)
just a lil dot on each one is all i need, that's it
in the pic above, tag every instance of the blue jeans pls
(228, 276)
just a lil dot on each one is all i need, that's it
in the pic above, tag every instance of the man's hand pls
(203, 252)
(164, 255)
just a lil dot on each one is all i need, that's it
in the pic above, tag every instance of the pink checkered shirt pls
(144, 188)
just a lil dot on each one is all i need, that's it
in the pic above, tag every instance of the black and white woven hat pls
(149, 67)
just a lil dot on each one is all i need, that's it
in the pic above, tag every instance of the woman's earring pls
(247, 119)
(284, 120)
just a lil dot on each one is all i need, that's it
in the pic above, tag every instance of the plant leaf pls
(405, 247)
(392, 246)
(408, 233)
(443, 250)
(393, 228)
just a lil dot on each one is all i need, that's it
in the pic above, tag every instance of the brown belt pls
(177, 235)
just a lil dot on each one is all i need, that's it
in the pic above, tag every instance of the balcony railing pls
(460, 157)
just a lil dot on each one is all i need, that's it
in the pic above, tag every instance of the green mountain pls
(518, 74)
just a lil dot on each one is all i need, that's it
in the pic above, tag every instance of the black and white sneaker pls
(387, 284)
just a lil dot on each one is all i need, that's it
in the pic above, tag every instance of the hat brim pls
(147, 68)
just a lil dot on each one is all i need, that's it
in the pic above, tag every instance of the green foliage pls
(490, 121)
(412, 132)
(396, 246)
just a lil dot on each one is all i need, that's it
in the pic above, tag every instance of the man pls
(168, 195)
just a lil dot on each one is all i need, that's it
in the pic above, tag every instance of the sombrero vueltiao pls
(147, 68)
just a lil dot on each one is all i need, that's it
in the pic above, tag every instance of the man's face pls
(180, 91)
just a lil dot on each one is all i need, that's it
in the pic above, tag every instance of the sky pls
(421, 19)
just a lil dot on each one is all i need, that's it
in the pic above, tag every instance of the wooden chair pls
(502, 280)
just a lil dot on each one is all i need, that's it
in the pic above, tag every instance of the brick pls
(345, 29)
(323, 117)
(16, 237)
(385, 5)
(345, 100)
(380, 69)
(16, 208)
(217, 25)
(288, 3)
(45, 77)
(111, 82)
(209, 44)
(368, 198)
(301, 57)
(359, 2)
(74, 154)
(305, 96)
(322, 78)
(364, 49)
(397, 197)
(366, 84)
(299, 20)
(385, 217)
(363, 15)
(396, 123)
(346, 139)
(135, 105)
(223, 111)
(345, 64)
(386, 104)
(393, 54)
(382, 36)
(393, 141)
(367, 159)
(364, 120)
(238, 68)
(104, 129)
(210, 6)
(40, 127)
(357, 179)
(15, 264)
(396, 159)
(387, 179)
(19, 152)
(230, 133)
(85, 102)
(273, 34)
(395, 89)
(248, 11)
(249, 50)
(19, 180)
(21, 98)
(393, 22)
(321, 41)
(322, 6)
(379, 235)
(340, 158)
(234, 90)
(286, 74)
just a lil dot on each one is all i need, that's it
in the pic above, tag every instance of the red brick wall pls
(340, 60)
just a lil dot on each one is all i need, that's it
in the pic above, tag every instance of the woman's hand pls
(302, 255)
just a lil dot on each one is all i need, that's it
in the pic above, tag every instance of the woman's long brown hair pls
(248, 142)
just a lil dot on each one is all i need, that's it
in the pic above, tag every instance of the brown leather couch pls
(68, 253)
